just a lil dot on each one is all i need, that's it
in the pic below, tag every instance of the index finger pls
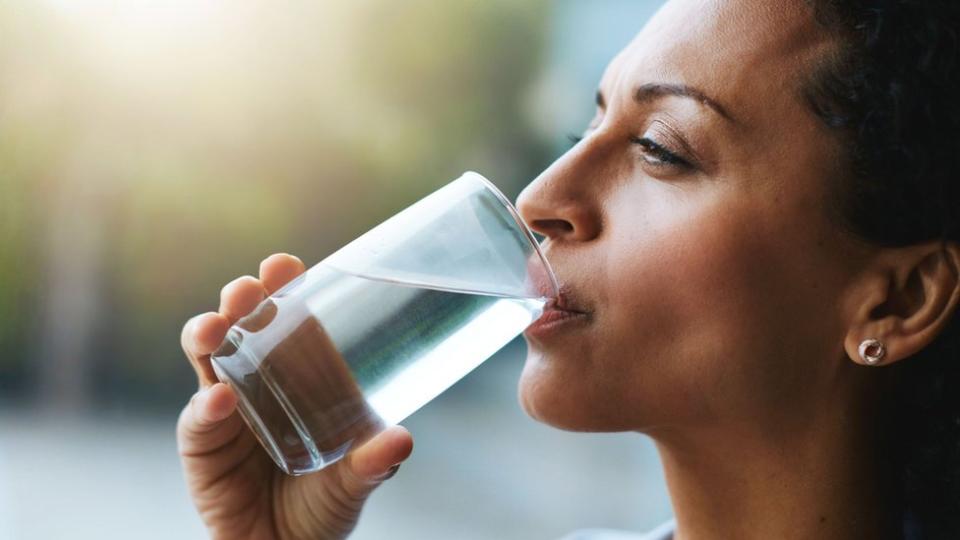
(200, 337)
(278, 269)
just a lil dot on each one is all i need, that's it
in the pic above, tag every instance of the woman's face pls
(691, 223)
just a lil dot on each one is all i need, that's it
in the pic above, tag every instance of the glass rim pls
(528, 233)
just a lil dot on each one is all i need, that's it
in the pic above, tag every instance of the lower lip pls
(553, 321)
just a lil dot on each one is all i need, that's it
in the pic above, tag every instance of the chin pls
(559, 401)
(567, 394)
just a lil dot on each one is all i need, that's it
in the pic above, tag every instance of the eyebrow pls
(651, 91)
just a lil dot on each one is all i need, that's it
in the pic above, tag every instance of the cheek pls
(718, 306)
(667, 282)
(694, 273)
(707, 307)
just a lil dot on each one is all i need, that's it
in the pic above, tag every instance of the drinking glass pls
(385, 324)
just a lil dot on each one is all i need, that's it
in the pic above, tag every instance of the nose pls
(560, 204)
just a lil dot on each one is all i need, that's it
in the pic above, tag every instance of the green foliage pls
(185, 147)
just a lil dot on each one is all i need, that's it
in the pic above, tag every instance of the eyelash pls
(664, 156)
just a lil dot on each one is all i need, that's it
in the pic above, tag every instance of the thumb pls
(208, 422)
(375, 461)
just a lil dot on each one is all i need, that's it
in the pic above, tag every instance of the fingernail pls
(391, 472)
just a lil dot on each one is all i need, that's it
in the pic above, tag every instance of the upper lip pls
(564, 302)
(566, 299)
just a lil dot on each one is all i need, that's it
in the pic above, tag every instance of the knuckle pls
(186, 335)
(188, 326)
(229, 287)
(237, 285)
(353, 489)
(274, 257)
(198, 333)
(247, 281)
(183, 424)
(288, 262)
(298, 263)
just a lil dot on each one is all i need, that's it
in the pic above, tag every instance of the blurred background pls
(151, 151)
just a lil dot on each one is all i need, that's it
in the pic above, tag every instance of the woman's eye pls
(657, 155)
(574, 138)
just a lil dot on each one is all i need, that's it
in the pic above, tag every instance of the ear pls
(904, 299)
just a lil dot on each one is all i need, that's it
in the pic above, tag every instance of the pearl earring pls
(872, 351)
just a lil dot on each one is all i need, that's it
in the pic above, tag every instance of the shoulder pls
(663, 532)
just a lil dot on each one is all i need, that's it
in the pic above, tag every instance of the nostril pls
(551, 227)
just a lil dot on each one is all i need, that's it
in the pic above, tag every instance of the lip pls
(557, 316)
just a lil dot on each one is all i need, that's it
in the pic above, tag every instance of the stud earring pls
(872, 351)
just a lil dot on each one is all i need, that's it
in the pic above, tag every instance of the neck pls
(814, 475)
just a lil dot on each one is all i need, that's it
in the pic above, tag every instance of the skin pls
(720, 302)
(743, 374)
(237, 489)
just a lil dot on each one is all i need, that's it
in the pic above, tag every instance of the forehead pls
(739, 52)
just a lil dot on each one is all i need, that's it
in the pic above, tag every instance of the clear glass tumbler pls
(382, 326)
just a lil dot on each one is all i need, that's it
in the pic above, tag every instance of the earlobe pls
(904, 302)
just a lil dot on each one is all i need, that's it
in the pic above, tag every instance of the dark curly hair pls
(891, 92)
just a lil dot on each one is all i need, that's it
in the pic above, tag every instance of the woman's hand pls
(239, 492)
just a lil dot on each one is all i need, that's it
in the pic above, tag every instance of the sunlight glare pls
(141, 15)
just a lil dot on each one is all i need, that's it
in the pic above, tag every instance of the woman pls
(757, 238)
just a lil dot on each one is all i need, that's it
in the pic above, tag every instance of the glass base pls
(264, 411)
